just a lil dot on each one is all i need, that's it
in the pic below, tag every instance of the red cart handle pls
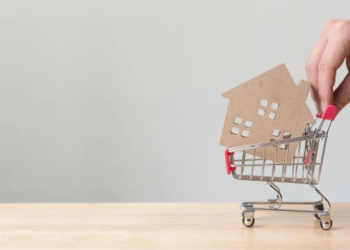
(228, 162)
(329, 113)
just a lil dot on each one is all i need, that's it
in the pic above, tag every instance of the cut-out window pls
(237, 120)
(276, 132)
(261, 112)
(275, 105)
(286, 135)
(248, 124)
(234, 130)
(264, 102)
(272, 115)
(245, 134)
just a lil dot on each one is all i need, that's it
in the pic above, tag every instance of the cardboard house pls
(267, 107)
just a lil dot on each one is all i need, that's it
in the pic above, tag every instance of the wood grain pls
(165, 226)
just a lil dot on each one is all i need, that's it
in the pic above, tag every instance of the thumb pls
(332, 58)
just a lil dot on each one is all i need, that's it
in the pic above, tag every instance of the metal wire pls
(306, 156)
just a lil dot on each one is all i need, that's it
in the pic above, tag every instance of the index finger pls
(312, 71)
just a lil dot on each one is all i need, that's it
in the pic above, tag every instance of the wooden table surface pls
(165, 226)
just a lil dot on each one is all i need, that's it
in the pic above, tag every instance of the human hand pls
(329, 53)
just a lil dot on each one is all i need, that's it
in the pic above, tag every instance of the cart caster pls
(248, 222)
(318, 207)
(245, 206)
(325, 225)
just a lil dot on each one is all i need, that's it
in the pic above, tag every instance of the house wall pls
(120, 101)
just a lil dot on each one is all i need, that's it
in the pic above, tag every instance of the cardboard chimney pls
(267, 107)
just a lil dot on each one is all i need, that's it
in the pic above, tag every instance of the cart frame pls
(305, 168)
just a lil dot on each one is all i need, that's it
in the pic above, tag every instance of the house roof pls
(276, 82)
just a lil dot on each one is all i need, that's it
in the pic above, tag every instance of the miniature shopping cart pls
(305, 168)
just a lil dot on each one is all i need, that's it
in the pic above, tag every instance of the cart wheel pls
(248, 222)
(316, 216)
(326, 225)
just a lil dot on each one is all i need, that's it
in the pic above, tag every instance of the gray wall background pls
(120, 101)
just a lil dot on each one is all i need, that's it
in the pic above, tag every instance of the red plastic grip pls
(228, 162)
(329, 113)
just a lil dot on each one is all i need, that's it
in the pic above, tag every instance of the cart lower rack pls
(305, 168)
